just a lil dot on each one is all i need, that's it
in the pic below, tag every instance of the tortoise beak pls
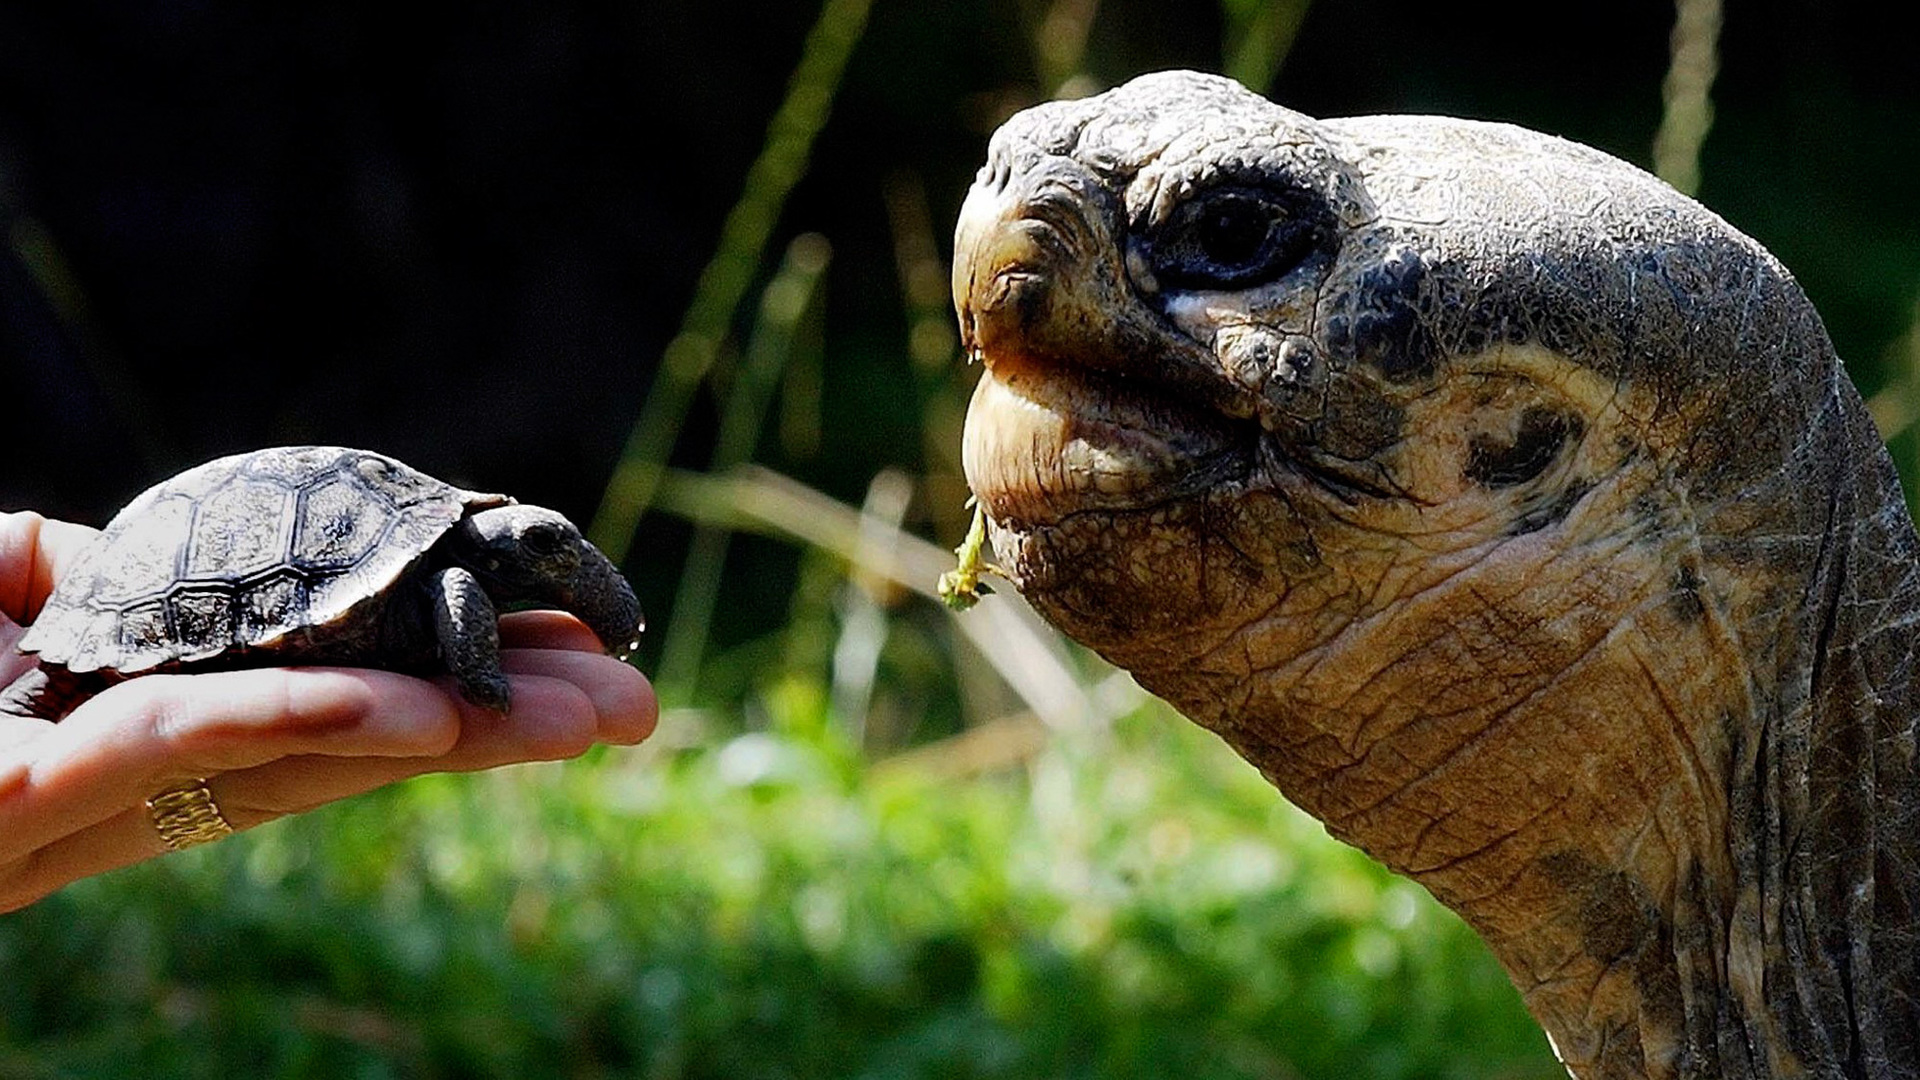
(599, 596)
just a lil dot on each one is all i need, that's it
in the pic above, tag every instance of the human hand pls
(268, 742)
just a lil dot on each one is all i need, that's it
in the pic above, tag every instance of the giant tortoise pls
(1510, 512)
(311, 555)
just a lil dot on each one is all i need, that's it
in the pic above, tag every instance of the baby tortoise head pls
(531, 555)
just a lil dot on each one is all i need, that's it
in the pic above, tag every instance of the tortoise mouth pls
(1043, 445)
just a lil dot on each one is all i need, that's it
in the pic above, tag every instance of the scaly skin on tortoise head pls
(529, 554)
(1510, 512)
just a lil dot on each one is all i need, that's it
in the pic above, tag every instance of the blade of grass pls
(863, 618)
(933, 346)
(1256, 38)
(1060, 44)
(783, 304)
(1688, 113)
(59, 285)
(1897, 405)
(1028, 655)
(1001, 743)
(724, 281)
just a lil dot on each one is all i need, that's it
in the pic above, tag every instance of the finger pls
(33, 552)
(142, 735)
(557, 714)
(121, 839)
(553, 719)
(623, 700)
(563, 703)
(547, 630)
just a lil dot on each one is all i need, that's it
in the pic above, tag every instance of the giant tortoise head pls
(1510, 511)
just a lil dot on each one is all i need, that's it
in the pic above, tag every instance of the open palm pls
(269, 742)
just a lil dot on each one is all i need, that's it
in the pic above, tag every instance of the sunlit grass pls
(1134, 902)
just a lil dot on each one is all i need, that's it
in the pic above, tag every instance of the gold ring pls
(186, 815)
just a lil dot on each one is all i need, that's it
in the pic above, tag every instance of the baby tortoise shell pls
(305, 555)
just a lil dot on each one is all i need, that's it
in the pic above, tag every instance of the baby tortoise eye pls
(543, 539)
(1232, 237)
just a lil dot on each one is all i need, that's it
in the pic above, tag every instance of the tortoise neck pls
(1826, 791)
(1691, 842)
(1783, 940)
(1764, 919)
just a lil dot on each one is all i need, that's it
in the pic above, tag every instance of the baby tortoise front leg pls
(469, 632)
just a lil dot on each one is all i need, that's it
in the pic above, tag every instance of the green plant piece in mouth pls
(961, 586)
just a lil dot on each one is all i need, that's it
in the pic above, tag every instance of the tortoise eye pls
(1233, 237)
(1233, 230)
(543, 540)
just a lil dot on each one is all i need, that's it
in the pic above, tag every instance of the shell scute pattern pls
(144, 558)
(239, 530)
(335, 526)
(241, 552)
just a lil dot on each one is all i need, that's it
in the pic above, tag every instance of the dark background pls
(466, 239)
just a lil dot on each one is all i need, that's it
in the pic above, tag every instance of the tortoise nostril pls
(998, 173)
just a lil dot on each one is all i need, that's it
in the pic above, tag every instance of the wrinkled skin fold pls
(1511, 512)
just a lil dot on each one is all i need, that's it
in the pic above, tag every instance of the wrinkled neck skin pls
(1528, 534)
(1676, 797)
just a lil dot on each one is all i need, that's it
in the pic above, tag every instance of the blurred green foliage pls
(1131, 902)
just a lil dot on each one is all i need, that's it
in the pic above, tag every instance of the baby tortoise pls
(312, 555)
